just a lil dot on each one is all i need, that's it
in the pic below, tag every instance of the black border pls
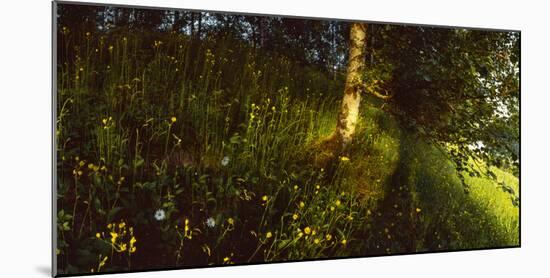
(54, 143)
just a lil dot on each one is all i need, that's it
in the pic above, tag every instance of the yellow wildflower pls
(307, 230)
(418, 210)
(173, 119)
(302, 204)
(264, 198)
(344, 158)
(316, 241)
(344, 241)
(268, 235)
(113, 237)
(102, 263)
(328, 237)
(295, 216)
(338, 202)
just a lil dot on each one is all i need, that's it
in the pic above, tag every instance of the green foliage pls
(456, 88)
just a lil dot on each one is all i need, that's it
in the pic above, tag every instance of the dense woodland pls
(190, 138)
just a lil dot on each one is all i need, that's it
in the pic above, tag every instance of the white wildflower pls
(210, 222)
(160, 215)
(225, 161)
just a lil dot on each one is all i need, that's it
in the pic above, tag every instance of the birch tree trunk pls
(349, 112)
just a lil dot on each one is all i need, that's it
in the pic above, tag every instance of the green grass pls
(220, 137)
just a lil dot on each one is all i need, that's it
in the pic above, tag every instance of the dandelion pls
(295, 216)
(225, 161)
(268, 235)
(344, 158)
(160, 215)
(210, 222)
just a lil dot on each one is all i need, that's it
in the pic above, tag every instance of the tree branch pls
(381, 96)
(375, 93)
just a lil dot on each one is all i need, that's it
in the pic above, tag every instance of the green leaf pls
(112, 213)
